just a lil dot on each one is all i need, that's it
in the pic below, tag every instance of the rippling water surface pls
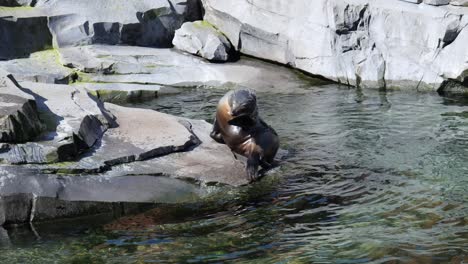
(371, 177)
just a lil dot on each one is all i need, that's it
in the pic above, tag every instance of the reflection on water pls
(372, 177)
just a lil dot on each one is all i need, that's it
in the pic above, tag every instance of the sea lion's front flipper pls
(216, 132)
(251, 168)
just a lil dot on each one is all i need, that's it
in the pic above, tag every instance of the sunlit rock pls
(413, 47)
(202, 39)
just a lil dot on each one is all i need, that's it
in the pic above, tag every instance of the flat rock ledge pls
(87, 157)
(19, 120)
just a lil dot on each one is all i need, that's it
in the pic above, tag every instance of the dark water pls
(371, 177)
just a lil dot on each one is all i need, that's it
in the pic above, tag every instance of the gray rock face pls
(459, 2)
(13, 3)
(23, 36)
(75, 23)
(19, 119)
(437, 2)
(373, 43)
(202, 39)
(69, 119)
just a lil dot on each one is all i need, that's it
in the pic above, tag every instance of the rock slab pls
(202, 39)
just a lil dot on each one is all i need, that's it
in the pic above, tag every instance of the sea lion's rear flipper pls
(216, 132)
(251, 168)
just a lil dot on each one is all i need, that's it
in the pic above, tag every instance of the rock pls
(4, 237)
(416, 47)
(164, 67)
(135, 22)
(459, 2)
(124, 92)
(437, 2)
(17, 208)
(2, 213)
(26, 195)
(17, 2)
(19, 119)
(163, 146)
(140, 135)
(202, 39)
(412, 1)
(23, 36)
(50, 208)
(44, 66)
(74, 123)
(209, 163)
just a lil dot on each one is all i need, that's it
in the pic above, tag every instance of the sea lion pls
(238, 125)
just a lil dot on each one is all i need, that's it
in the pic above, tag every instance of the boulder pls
(19, 118)
(202, 39)
(413, 47)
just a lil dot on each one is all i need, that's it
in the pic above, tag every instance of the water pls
(371, 177)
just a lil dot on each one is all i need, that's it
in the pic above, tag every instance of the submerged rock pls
(202, 39)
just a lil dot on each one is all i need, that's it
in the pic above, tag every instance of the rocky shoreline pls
(68, 151)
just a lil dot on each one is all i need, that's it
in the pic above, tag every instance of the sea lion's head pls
(244, 109)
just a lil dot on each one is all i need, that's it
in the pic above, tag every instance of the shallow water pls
(371, 177)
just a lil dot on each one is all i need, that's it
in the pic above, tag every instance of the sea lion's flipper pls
(216, 132)
(251, 168)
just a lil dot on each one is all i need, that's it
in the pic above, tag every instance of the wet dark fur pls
(238, 125)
